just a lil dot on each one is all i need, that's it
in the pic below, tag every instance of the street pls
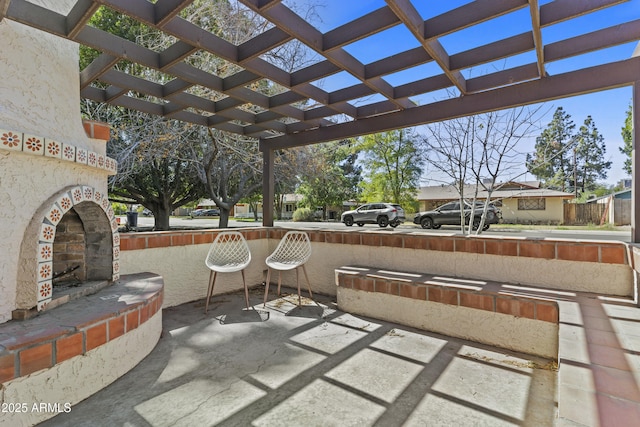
(579, 234)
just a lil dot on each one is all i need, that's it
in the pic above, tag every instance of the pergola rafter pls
(302, 111)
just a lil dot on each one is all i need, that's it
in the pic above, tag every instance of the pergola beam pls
(590, 42)
(534, 11)
(562, 10)
(608, 76)
(411, 18)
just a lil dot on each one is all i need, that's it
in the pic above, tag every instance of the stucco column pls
(268, 192)
(635, 167)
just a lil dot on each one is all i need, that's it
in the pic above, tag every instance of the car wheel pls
(360, 224)
(383, 221)
(348, 221)
(394, 224)
(426, 222)
(486, 227)
(436, 226)
(476, 223)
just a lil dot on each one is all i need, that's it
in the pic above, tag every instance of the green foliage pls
(569, 160)
(627, 137)
(600, 189)
(551, 162)
(303, 215)
(330, 175)
(119, 208)
(393, 165)
(117, 24)
(590, 164)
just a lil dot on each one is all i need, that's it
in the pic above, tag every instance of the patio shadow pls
(316, 365)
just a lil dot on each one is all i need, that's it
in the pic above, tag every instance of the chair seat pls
(229, 268)
(282, 265)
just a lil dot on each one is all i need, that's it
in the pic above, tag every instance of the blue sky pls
(608, 109)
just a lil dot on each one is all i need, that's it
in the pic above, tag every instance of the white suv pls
(382, 214)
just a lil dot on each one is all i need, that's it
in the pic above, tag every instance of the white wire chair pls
(292, 252)
(228, 253)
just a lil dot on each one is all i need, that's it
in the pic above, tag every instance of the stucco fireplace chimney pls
(51, 164)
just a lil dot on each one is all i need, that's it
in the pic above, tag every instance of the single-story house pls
(520, 202)
(289, 205)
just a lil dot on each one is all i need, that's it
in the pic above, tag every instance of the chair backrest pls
(228, 248)
(294, 248)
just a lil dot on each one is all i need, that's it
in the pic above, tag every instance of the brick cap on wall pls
(97, 130)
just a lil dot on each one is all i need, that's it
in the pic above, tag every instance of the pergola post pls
(268, 192)
(635, 167)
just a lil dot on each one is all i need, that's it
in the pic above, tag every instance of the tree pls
(552, 160)
(479, 150)
(229, 166)
(589, 156)
(393, 165)
(627, 137)
(287, 167)
(328, 176)
(499, 133)
(153, 164)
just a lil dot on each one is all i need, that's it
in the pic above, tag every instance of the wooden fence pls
(622, 211)
(585, 213)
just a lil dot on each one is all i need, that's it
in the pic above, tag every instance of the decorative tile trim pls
(65, 201)
(10, 140)
(53, 149)
(38, 146)
(33, 145)
(68, 152)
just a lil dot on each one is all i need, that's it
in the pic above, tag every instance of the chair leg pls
(298, 283)
(279, 281)
(266, 287)
(308, 282)
(246, 291)
(212, 282)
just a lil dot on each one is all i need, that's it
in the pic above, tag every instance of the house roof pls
(449, 192)
(617, 193)
(372, 99)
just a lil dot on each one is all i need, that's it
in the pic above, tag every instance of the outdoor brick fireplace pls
(57, 228)
(53, 174)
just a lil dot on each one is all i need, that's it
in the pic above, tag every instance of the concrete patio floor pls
(314, 365)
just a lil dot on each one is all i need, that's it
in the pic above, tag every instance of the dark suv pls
(449, 214)
(382, 214)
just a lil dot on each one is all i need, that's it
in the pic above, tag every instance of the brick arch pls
(96, 213)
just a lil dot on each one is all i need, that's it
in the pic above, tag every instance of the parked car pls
(210, 212)
(147, 212)
(196, 212)
(449, 214)
(382, 214)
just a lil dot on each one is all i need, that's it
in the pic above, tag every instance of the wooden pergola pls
(304, 113)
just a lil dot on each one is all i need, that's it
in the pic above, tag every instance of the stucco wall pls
(184, 268)
(42, 99)
(554, 212)
(26, 197)
(568, 275)
(186, 276)
(501, 330)
(79, 377)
